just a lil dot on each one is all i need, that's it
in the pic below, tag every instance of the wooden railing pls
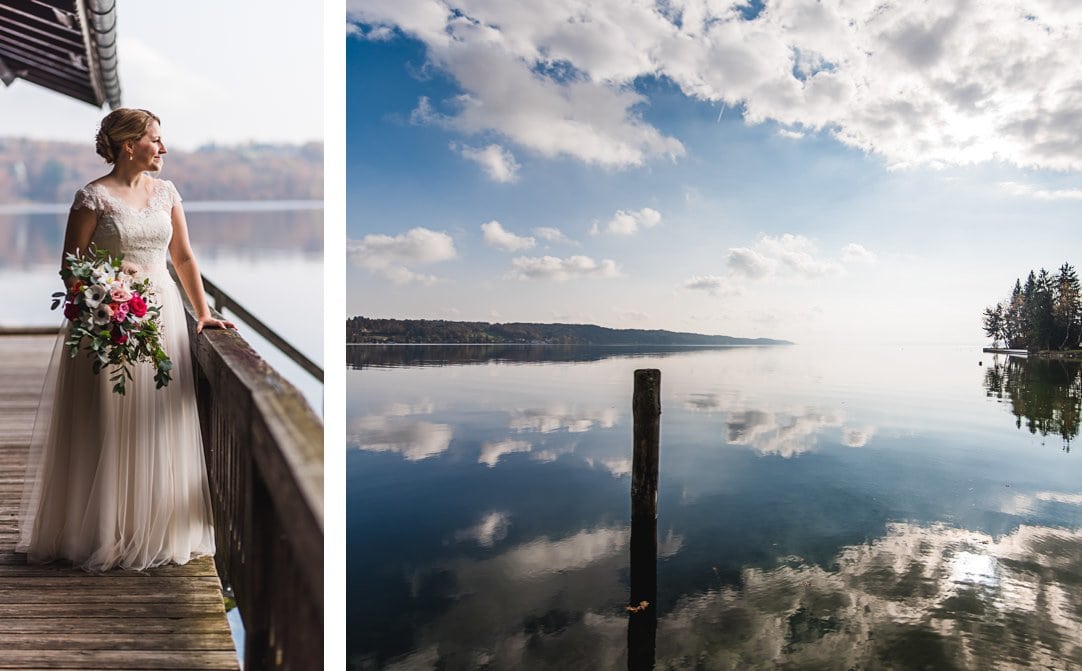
(264, 448)
(223, 301)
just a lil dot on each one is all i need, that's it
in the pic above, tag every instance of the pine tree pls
(1044, 313)
(994, 324)
(1067, 306)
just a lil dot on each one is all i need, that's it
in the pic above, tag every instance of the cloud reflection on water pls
(922, 596)
(785, 433)
(492, 451)
(559, 416)
(393, 429)
(492, 527)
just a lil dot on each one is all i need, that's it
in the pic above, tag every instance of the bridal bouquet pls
(114, 317)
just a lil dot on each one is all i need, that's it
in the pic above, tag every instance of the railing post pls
(264, 455)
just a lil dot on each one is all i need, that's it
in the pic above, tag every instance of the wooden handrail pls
(264, 448)
(223, 301)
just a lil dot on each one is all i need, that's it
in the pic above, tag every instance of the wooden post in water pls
(642, 609)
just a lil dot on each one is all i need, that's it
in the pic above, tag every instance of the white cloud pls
(784, 255)
(497, 236)
(778, 257)
(558, 269)
(772, 257)
(1019, 189)
(749, 263)
(551, 234)
(796, 254)
(916, 83)
(373, 34)
(498, 163)
(857, 253)
(507, 88)
(628, 223)
(390, 257)
(711, 284)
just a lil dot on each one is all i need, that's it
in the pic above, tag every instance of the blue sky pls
(814, 171)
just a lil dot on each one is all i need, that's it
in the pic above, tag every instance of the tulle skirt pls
(118, 481)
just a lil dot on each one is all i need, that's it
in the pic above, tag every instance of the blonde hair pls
(120, 126)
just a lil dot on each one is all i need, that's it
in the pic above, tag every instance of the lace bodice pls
(141, 235)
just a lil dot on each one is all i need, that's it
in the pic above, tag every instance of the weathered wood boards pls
(56, 617)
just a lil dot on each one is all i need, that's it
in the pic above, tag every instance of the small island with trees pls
(366, 330)
(1042, 316)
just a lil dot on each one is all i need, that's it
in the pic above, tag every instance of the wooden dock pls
(56, 617)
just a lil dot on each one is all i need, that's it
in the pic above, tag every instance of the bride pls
(120, 480)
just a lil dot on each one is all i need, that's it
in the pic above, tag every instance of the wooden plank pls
(19, 569)
(54, 616)
(129, 640)
(165, 610)
(119, 659)
(205, 623)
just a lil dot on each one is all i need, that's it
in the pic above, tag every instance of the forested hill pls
(366, 330)
(40, 171)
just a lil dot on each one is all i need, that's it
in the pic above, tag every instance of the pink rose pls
(120, 312)
(120, 294)
(71, 311)
(137, 305)
(119, 337)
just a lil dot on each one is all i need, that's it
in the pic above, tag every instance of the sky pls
(822, 172)
(215, 72)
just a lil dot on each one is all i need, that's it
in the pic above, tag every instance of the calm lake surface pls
(268, 255)
(869, 507)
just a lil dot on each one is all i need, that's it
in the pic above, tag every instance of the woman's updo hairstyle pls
(119, 126)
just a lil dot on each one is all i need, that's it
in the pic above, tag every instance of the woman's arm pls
(180, 250)
(82, 222)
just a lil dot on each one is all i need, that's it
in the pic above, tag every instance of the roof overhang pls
(68, 46)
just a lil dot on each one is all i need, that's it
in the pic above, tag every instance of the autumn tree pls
(1044, 313)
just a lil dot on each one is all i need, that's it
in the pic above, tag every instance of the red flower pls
(119, 337)
(77, 287)
(71, 311)
(137, 306)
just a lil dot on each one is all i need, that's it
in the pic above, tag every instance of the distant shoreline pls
(633, 345)
(1067, 355)
(370, 331)
(12, 209)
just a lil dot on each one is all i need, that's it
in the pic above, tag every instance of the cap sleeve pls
(86, 199)
(174, 195)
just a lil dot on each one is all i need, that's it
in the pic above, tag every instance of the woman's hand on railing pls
(212, 323)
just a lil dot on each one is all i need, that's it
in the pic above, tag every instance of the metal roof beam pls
(69, 46)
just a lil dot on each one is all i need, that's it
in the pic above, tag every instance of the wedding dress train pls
(120, 481)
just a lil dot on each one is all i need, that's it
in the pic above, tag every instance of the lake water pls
(869, 507)
(267, 255)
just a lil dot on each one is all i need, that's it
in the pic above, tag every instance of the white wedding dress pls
(120, 481)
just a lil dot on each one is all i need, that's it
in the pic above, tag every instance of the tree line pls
(1045, 313)
(370, 330)
(45, 171)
